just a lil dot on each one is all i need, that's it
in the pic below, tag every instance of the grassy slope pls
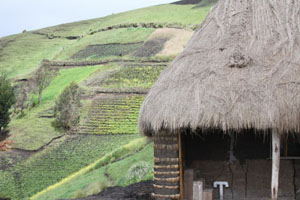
(111, 174)
(169, 13)
(23, 55)
(128, 35)
(56, 162)
(32, 132)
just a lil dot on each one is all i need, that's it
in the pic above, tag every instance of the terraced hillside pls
(112, 114)
(115, 60)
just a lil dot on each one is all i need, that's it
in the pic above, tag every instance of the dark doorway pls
(216, 145)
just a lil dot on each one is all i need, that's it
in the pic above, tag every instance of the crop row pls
(117, 114)
(55, 163)
(133, 77)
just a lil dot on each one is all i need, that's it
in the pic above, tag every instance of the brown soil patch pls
(137, 191)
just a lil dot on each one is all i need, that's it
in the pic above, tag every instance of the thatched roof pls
(241, 69)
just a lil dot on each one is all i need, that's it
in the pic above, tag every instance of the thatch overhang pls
(240, 70)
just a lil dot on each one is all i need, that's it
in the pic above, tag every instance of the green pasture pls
(92, 181)
(59, 160)
(168, 13)
(25, 52)
(121, 36)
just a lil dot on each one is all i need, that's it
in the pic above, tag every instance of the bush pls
(67, 106)
(137, 172)
(79, 194)
(21, 95)
(7, 99)
(91, 189)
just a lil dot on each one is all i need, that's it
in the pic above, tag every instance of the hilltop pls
(115, 60)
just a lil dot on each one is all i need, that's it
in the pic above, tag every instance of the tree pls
(43, 78)
(21, 95)
(7, 99)
(67, 106)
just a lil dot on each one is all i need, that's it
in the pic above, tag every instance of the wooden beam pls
(275, 163)
(180, 165)
(285, 146)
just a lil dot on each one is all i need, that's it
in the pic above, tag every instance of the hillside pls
(115, 60)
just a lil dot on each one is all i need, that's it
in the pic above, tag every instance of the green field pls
(51, 163)
(133, 77)
(114, 114)
(22, 56)
(111, 174)
(169, 13)
(56, 162)
(122, 36)
(31, 131)
(26, 51)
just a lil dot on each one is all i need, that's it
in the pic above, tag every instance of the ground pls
(137, 191)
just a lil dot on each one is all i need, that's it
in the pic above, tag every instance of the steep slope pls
(115, 60)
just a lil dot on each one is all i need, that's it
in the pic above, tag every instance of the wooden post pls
(285, 146)
(275, 163)
(180, 166)
(188, 184)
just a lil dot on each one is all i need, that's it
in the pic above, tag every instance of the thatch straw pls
(170, 180)
(161, 160)
(165, 187)
(166, 166)
(240, 70)
(166, 173)
(176, 196)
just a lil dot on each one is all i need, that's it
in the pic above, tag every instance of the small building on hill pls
(228, 107)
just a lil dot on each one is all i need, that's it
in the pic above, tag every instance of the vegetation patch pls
(104, 50)
(64, 78)
(10, 158)
(31, 132)
(117, 36)
(132, 77)
(151, 47)
(55, 163)
(113, 114)
(114, 173)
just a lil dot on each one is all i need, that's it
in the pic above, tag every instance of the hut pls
(228, 106)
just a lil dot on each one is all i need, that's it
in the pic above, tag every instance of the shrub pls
(7, 99)
(43, 78)
(21, 95)
(66, 107)
(79, 194)
(137, 172)
(91, 189)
